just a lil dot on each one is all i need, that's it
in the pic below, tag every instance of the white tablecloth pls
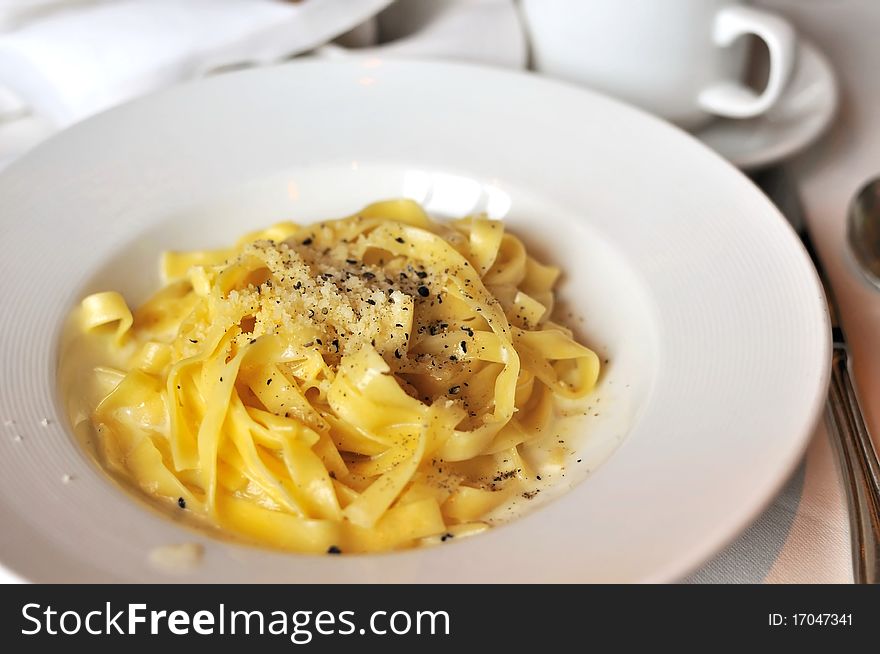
(804, 534)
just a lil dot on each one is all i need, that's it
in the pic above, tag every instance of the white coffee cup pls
(680, 59)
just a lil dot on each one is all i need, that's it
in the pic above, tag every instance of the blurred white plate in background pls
(687, 279)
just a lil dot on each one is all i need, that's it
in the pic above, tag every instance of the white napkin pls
(63, 60)
(16, 12)
(73, 59)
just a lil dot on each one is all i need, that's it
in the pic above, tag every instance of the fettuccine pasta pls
(355, 385)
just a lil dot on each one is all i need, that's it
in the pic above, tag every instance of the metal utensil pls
(861, 469)
(863, 230)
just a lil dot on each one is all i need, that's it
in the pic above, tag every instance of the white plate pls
(686, 277)
(802, 114)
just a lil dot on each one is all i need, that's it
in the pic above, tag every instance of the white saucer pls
(798, 119)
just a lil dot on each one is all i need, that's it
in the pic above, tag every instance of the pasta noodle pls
(355, 385)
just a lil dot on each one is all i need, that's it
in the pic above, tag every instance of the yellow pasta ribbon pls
(353, 385)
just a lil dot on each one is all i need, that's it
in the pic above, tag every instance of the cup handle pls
(733, 99)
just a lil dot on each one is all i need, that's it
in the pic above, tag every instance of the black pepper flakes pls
(181, 502)
(454, 390)
(507, 474)
(397, 354)
(268, 381)
(445, 537)
(423, 291)
(308, 241)
(421, 274)
(333, 550)
(463, 347)
(400, 240)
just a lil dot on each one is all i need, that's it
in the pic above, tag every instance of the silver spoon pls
(859, 459)
(863, 230)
